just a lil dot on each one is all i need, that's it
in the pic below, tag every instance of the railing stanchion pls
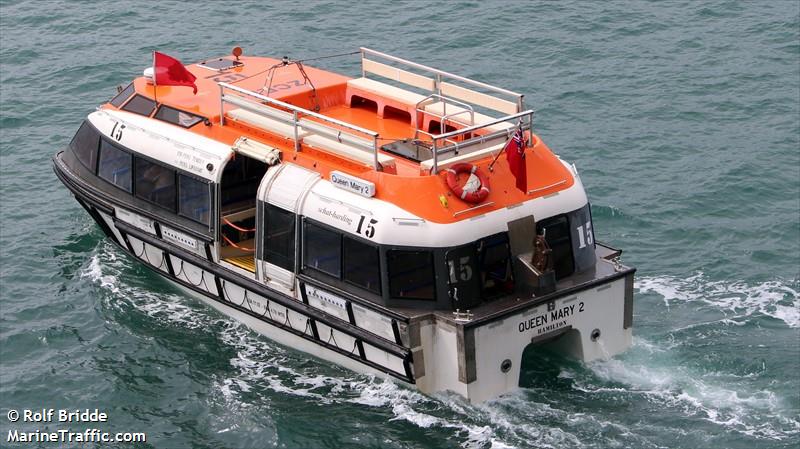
(375, 152)
(435, 157)
(296, 138)
(221, 106)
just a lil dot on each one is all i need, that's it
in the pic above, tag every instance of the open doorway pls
(240, 180)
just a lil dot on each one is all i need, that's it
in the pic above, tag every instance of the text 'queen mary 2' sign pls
(353, 184)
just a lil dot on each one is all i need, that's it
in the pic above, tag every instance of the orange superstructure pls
(406, 184)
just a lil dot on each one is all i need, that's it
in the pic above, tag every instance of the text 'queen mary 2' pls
(406, 222)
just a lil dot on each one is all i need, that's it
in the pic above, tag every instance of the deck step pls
(244, 262)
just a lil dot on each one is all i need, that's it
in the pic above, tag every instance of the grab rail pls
(523, 124)
(295, 120)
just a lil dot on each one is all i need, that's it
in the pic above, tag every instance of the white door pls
(281, 195)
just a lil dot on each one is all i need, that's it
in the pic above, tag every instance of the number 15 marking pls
(585, 236)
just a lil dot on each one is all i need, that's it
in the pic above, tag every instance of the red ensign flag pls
(168, 71)
(515, 154)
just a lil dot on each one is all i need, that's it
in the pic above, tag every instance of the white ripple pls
(776, 299)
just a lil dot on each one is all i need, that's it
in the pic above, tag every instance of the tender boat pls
(406, 222)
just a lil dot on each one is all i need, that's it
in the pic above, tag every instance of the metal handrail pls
(436, 151)
(296, 110)
(445, 116)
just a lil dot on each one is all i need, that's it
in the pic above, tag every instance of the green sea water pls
(682, 117)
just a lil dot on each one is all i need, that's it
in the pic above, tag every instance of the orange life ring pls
(475, 196)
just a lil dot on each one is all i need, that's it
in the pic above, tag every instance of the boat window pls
(122, 96)
(240, 180)
(411, 274)
(193, 201)
(84, 145)
(322, 249)
(115, 165)
(463, 276)
(494, 254)
(155, 183)
(362, 265)
(556, 231)
(279, 242)
(140, 104)
(177, 117)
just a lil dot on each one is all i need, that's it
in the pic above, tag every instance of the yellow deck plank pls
(245, 262)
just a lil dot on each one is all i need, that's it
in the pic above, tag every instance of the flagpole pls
(155, 85)
(503, 150)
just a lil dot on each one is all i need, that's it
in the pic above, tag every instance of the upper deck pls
(398, 126)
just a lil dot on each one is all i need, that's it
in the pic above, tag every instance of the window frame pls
(138, 157)
(118, 148)
(209, 191)
(95, 152)
(431, 259)
(307, 221)
(292, 259)
(138, 95)
(161, 107)
(541, 224)
(505, 240)
(377, 249)
(125, 99)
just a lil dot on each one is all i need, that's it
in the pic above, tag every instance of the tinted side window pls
(362, 265)
(122, 96)
(84, 145)
(279, 241)
(115, 165)
(140, 105)
(155, 183)
(193, 201)
(495, 262)
(322, 249)
(556, 231)
(411, 274)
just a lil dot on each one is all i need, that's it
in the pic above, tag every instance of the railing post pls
(435, 157)
(221, 107)
(296, 139)
(375, 152)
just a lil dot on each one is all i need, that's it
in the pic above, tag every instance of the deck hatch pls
(220, 64)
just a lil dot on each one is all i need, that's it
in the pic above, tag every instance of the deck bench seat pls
(266, 123)
(348, 151)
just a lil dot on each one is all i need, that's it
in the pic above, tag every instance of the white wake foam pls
(776, 299)
(758, 413)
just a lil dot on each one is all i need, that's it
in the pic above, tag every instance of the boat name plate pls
(353, 184)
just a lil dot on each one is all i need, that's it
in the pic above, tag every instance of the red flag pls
(515, 154)
(168, 71)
